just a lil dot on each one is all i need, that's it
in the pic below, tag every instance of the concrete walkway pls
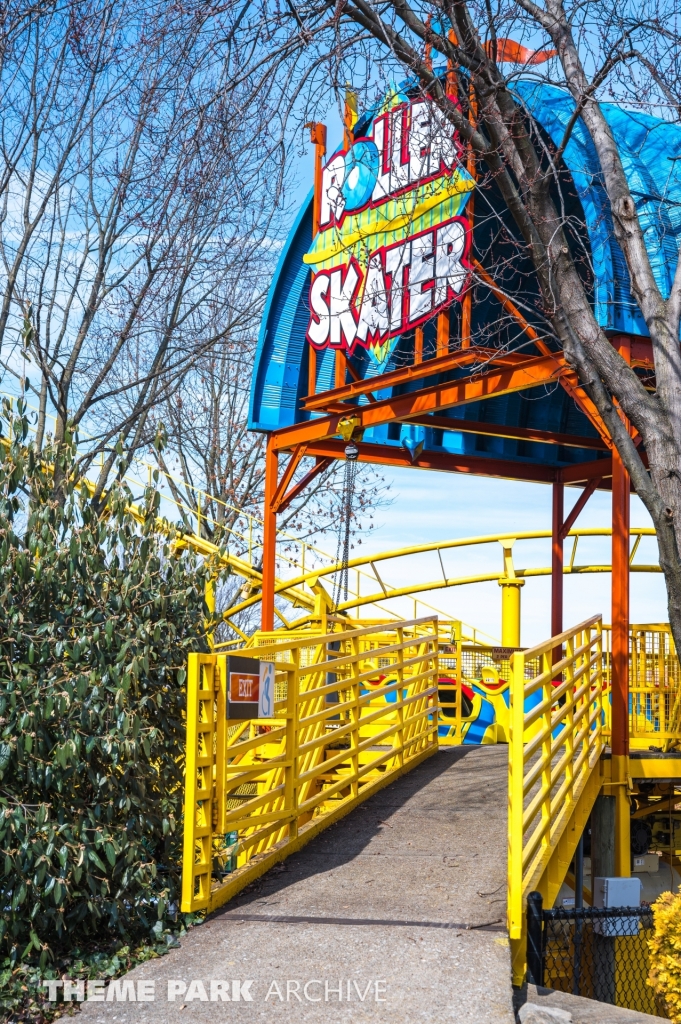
(396, 914)
(584, 1011)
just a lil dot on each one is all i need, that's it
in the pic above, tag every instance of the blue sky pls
(431, 506)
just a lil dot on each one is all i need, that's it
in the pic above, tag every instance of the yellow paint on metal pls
(654, 768)
(556, 742)
(209, 598)
(366, 566)
(510, 612)
(510, 598)
(353, 710)
(199, 793)
(620, 778)
(654, 686)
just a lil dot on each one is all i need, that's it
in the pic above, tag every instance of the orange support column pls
(269, 544)
(442, 337)
(418, 346)
(557, 562)
(620, 659)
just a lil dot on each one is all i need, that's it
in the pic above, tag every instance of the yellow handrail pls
(298, 587)
(654, 685)
(339, 732)
(556, 741)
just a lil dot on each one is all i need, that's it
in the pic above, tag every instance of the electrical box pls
(646, 862)
(617, 892)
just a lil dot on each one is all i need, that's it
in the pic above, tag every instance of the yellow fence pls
(450, 665)
(654, 686)
(353, 710)
(556, 741)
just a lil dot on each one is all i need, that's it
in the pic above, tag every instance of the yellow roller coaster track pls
(292, 588)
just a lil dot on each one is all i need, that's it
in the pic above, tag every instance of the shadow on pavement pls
(347, 838)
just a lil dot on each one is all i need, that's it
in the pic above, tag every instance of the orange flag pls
(511, 52)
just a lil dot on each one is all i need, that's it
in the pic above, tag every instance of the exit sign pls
(250, 688)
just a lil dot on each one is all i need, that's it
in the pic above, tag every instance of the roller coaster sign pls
(392, 246)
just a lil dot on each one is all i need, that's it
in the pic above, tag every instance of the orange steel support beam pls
(352, 371)
(640, 349)
(557, 538)
(418, 346)
(349, 119)
(509, 306)
(579, 505)
(560, 528)
(269, 544)
(297, 454)
(428, 48)
(318, 140)
(319, 467)
(340, 367)
(527, 374)
(515, 433)
(466, 311)
(311, 369)
(569, 381)
(620, 650)
(582, 472)
(441, 364)
(467, 302)
(473, 465)
(442, 333)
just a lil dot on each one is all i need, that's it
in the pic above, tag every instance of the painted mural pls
(485, 709)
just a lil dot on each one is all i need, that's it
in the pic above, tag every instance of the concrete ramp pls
(396, 914)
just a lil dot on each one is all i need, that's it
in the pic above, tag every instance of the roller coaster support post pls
(269, 543)
(620, 654)
(510, 599)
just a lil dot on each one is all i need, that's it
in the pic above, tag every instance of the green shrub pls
(97, 615)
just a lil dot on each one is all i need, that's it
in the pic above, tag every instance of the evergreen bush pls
(97, 615)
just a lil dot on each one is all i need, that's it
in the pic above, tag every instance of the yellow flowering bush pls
(665, 953)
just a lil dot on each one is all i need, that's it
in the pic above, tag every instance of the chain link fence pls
(598, 953)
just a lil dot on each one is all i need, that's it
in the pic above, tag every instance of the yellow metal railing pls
(556, 741)
(451, 670)
(294, 554)
(654, 686)
(352, 711)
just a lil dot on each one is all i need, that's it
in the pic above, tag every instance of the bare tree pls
(214, 466)
(127, 194)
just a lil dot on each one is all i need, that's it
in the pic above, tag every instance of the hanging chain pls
(340, 589)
